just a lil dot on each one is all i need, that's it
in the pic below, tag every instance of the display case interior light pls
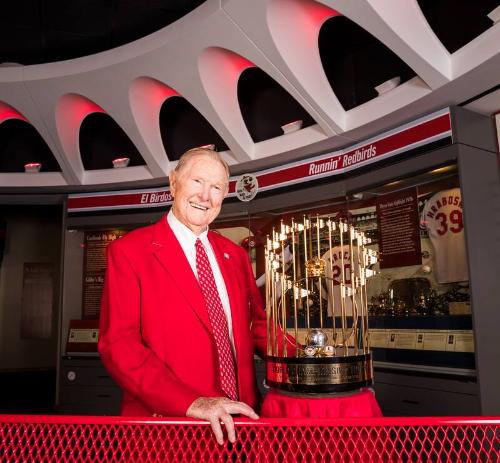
(121, 162)
(32, 167)
(388, 85)
(443, 170)
(395, 182)
(494, 15)
(292, 126)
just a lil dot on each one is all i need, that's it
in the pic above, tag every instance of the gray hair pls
(193, 152)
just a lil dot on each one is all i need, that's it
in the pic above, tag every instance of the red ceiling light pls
(32, 167)
(121, 162)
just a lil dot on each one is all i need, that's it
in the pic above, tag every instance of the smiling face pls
(198, 190)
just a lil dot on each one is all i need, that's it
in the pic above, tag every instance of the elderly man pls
(181, 314)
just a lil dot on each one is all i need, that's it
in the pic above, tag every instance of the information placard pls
(82, 337)
(399, 235)
(94, 268)
(432, 339)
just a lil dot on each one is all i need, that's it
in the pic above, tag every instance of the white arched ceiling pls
(294, 27)
(220, 70)
(402, 27)
(13, 93)
(70, 112)
(277, 36)
(17, 179)
(147, 96)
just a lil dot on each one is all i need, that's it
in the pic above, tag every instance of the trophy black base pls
(320, 375)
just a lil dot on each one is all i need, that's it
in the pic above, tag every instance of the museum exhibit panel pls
(423, 193)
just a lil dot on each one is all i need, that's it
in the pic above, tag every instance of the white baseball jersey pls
(442, 217)
(334, 298)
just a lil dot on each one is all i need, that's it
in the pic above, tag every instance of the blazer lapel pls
(169, 253)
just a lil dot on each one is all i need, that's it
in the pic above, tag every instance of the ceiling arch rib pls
(70, 111)
(294, 26)
(251, 16)
(220, 72)
(381, 21)
(408, 22)
(361, 64)
(254, 20)
(481, 54)
(368, 78)
(146, 97)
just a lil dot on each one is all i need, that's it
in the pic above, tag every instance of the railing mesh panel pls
(62, 441)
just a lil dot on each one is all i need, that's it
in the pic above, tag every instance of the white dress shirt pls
(187, 240)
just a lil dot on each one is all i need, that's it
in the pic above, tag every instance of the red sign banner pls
(395, 142)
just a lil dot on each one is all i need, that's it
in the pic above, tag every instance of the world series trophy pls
(317, 307)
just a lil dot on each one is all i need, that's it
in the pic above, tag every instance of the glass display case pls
(419, 299)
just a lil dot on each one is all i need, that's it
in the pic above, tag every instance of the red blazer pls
(155, 338)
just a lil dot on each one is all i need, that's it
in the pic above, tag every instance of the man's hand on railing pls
(218, 410)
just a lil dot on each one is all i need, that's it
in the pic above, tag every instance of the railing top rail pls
(267, 422)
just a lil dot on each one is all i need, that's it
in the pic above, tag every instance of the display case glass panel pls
(418, 299)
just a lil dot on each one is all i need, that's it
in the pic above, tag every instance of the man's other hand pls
(217, 410)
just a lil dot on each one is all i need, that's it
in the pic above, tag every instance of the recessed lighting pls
(32, 167)
(396, 182)
(210, 147)
(292, 126)
(441, 170)
(120, 162)
(388, 85)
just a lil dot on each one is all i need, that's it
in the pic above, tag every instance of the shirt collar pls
(184, 235)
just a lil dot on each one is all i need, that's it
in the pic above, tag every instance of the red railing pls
(58, 439)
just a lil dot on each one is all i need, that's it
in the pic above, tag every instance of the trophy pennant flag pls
(317, 307)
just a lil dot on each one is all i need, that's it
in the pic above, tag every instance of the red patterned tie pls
(218, 321)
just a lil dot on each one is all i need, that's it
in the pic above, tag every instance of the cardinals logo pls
(247, 186)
